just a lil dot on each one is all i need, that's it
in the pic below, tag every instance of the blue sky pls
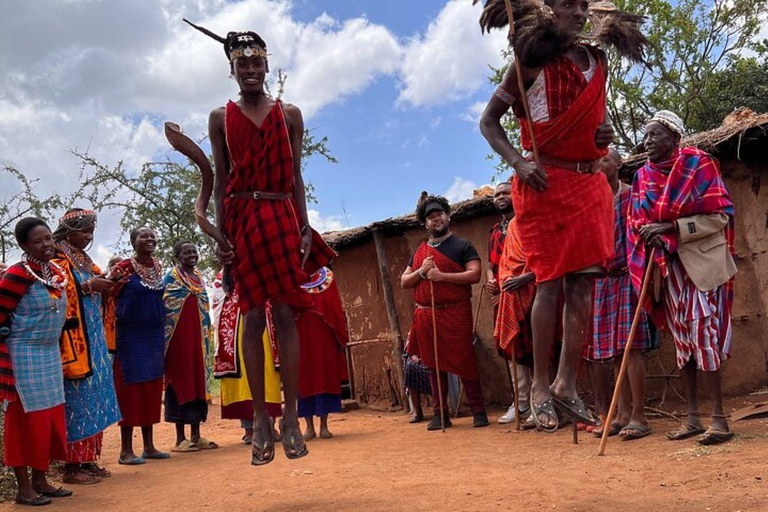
(388, 153)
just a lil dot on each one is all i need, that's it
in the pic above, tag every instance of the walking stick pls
(474, 331)
(625, 358)
(521, 85)
(437, 363)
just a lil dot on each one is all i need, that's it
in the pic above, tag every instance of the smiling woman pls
(188, 349)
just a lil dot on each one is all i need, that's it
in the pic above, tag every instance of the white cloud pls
(323, 224)
(451, 60)
(473, 112)
(460, 190)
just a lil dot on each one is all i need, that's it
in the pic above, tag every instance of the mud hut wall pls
(357, 273)
(748, 185)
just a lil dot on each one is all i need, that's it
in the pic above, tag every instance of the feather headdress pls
(537, 38)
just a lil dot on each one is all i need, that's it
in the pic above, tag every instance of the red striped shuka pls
(265, 232)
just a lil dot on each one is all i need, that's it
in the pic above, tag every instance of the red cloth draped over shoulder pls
(453, 313)
(266, 233)
(512, 331)
(323, 337)
(569, 226)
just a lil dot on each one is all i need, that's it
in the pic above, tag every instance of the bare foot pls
(325, 433)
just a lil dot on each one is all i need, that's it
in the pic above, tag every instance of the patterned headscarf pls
(74, 221)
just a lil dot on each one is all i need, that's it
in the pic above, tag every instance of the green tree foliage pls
(697, 66)
(693, 44)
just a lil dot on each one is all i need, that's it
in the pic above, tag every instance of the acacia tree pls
(21, 201)
(704, 59)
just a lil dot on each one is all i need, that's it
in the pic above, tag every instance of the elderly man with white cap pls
(681, 207)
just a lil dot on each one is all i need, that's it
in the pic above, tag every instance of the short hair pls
(25, 226)
(424, 200)
(135, 234)
(178, 246)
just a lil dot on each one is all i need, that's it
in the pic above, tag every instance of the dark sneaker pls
(434, 423)
(480, 419)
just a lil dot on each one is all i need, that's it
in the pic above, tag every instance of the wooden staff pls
(437, 363)
(625, 358)
(521, 85)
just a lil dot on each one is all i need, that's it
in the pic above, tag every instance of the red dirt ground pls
(377, 461)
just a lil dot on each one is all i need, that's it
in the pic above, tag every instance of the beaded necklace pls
(196, 288)
(51, 275)
(149, 277)
(78, 257)
(434, 242)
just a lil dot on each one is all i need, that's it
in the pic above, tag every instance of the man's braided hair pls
(424, 200)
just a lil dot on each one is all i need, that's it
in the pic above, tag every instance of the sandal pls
(93, 469)
(634, 431)
(686, 431)
(547, 408)
(58, 493)
(293, 441)
(574, 409)
(614, 430)
(37, 501)
(80, 477)
(262, 446)
(529, 423)
(205, 444)
(156, 455)
(715, 435)
(186, 446)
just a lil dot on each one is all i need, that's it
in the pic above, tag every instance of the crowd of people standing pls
(83, 349)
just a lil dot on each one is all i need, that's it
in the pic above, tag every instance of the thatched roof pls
(741, 128)
(396, 225)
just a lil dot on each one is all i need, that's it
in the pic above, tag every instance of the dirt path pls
(378, 461)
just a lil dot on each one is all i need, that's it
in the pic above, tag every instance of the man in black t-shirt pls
(446, 267)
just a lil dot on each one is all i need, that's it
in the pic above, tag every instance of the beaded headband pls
(77, 214)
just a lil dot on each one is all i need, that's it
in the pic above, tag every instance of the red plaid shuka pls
(615, 300)
(453, 313)
(569, 226)
(266, 233)
(513, 332)
(496, 246)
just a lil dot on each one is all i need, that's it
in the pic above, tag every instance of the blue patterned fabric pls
(91, 402)
(36, 326)
(319, 405)
(140, 315)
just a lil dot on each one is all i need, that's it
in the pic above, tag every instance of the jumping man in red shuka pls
(261, 208)
(564, 207)
(451, 265)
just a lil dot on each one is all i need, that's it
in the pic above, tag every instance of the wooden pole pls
(521, 85)
(437, 362)
(394, 321)
(625, 358)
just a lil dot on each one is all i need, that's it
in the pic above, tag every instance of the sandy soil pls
(377, 461)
